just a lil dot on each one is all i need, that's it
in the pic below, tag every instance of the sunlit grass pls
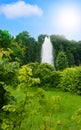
(61, 118)
(69, 104)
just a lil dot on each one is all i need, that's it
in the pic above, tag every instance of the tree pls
(5, 38)
(41, 38)
(70, 58)
(22, 38)
(30, 54)
(29, 43)
(61, 61)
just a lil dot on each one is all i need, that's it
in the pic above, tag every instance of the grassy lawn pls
(69, 104)
(60, 118)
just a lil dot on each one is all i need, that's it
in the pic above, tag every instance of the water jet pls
(47, 52)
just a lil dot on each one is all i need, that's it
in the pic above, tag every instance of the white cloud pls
(20, 9)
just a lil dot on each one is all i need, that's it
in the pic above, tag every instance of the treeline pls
(25, 49)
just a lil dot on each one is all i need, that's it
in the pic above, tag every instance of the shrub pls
(55, 78)
(71, 80)
(49, 77)
(44, 72)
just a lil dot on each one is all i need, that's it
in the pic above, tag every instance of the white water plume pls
(47, 52)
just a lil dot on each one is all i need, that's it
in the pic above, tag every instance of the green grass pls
(59, 119)
(69, 104)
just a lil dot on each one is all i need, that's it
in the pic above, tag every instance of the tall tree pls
(29, 43)
(61, 61)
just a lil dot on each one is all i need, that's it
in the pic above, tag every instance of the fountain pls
(47, 52)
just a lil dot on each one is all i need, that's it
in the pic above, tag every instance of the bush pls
(55, 78)
(71, 80)
(49, 77)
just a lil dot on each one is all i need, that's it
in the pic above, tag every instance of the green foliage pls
(8, 71)
(1, 53)
(19, 108)
(49, 77)
(55, 79)
(22, 38)
(9, 48)
(41, 38)
(71, 80)
(33, 66)
(5, 38)
(76, 117)
(18, 52)
(38, 52)
(44, 72)
(7, 53)
(70, 58)
(61, 61)
(25, 41)
(24, 76)
(30, 54)
(8, 76)
(2, 92)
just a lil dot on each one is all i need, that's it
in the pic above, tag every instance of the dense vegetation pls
(36, 96)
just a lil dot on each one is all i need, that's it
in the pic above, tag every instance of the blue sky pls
(61, 17)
